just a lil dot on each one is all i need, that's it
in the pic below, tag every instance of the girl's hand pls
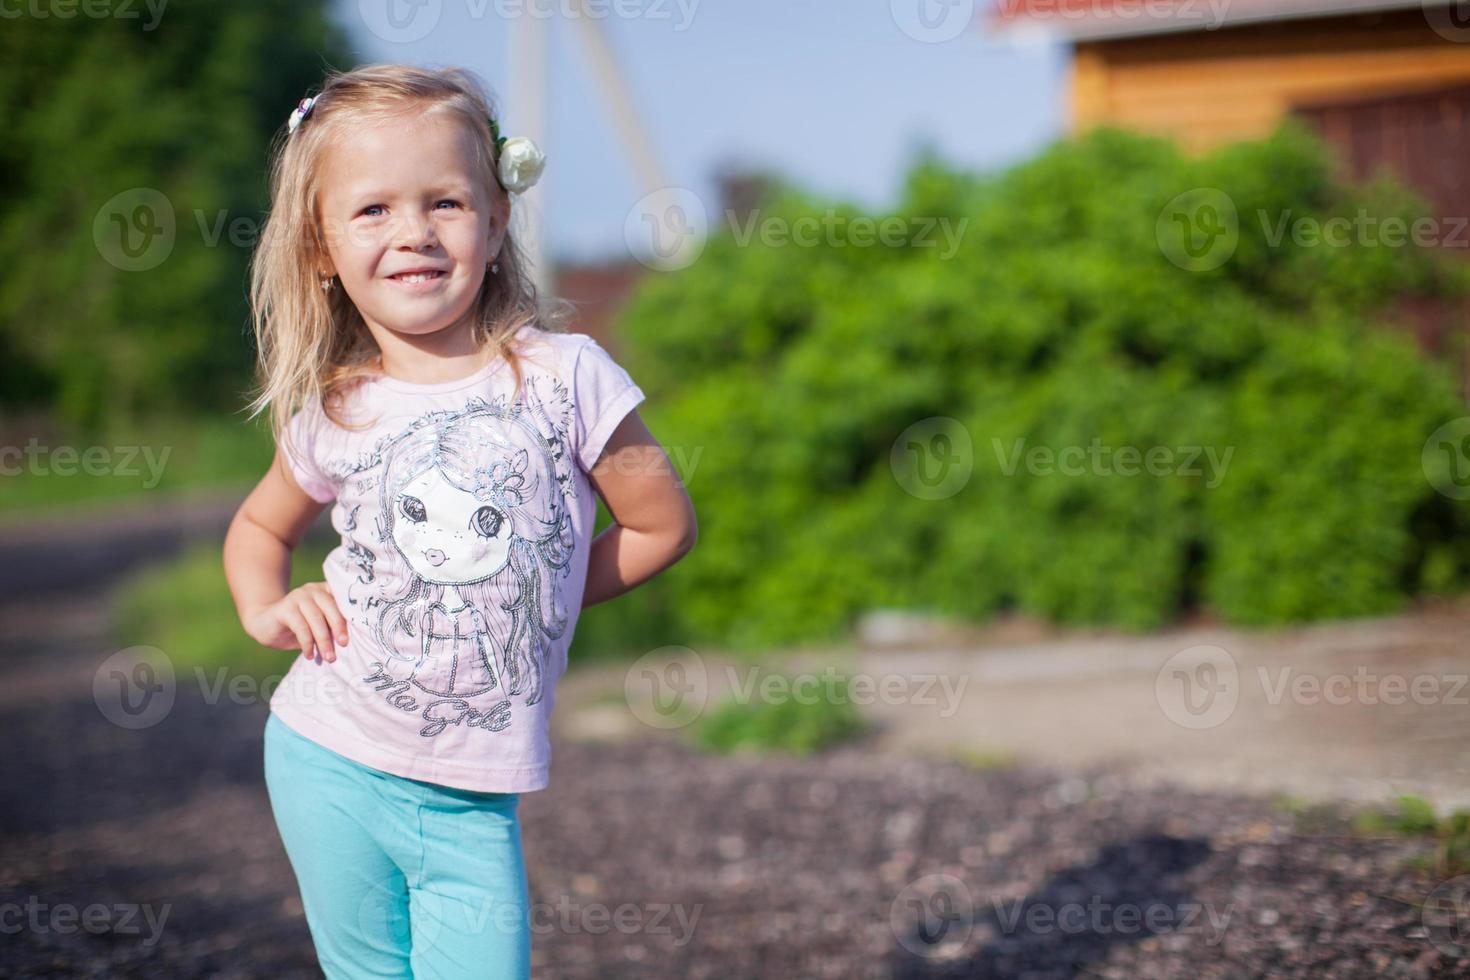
(306, 619)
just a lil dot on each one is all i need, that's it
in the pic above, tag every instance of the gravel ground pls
(648, 860)
(152, 852)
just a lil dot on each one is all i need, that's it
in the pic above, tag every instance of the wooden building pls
(1387, 82)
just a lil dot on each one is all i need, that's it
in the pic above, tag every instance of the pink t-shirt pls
(465, 522)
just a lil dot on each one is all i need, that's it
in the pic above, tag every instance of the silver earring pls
(495, 268)
(327, 285)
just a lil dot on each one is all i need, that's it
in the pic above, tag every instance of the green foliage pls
(96, 107)
(1291, 414)
(797, 725)
(1317, 516)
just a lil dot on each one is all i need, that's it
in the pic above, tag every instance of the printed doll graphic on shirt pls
(474, 507)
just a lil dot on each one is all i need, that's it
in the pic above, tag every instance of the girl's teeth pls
(418, 277)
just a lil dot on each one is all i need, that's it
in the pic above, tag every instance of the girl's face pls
(445, 534)
(403, 196)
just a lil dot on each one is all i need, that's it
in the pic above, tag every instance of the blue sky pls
(834, 94)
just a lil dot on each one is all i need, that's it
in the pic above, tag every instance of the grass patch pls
(796, 727)
(1407, 816)
(1311, 818)
(184, 608)
(986, 760)
(1414, 816)
(65, 473)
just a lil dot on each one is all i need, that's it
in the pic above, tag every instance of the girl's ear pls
(325, 267)
(499, 222)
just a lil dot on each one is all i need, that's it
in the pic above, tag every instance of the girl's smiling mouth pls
(419, 279)
(435, 557)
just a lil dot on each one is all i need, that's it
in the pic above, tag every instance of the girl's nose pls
(415, 233)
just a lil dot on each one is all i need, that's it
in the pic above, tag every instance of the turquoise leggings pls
(399, 877)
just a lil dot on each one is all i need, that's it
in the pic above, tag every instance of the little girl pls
(460, 433)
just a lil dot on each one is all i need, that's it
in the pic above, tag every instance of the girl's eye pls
(372, 209)
(413, 509)
(455, 203)
(486, 522)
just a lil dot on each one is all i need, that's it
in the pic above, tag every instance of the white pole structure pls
(527, 61)
(620, 100)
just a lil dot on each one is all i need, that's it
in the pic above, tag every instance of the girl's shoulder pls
(574, 358)
(531, 339)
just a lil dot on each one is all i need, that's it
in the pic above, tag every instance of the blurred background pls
(1073, 394)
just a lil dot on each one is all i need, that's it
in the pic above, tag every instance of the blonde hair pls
(313, 347)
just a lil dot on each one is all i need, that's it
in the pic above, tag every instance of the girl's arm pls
(257, 557)
(654, 517)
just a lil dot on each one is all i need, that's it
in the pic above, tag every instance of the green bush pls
(781, 376)
(140, 132)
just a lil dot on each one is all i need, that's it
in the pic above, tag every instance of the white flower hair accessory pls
(520, 160)
(302, 110)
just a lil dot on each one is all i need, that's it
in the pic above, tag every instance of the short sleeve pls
(299, 448)
(603, 393)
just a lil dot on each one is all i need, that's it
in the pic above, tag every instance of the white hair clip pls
(520, 160)
(521, 163)
(302, 110)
